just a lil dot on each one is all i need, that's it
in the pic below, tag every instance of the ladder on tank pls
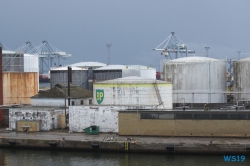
(158, 93)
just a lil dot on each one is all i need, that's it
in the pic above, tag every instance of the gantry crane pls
(173, 45)
(47, 53)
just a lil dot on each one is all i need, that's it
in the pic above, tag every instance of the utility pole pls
(239, 54)
(108, 45)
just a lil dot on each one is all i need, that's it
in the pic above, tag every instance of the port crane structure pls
(47, 53)
(173, 44)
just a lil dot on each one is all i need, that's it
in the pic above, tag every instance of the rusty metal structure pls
(18, 87)
(1, 89)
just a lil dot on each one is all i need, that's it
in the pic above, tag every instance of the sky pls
(82, 28)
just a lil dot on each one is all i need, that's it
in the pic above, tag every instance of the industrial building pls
(20, 77)
(49, 118)
(196, 79)
(58, 96)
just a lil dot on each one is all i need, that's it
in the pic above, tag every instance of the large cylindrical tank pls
(241, 79)
(60, 76)
(133, 91)
(196, 79)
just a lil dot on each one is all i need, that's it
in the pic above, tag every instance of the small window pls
(90, 101)
(73, 103)
(82, 102)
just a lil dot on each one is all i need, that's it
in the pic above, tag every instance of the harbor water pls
(13, 157)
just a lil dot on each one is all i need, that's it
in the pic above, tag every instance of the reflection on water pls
(13, 157)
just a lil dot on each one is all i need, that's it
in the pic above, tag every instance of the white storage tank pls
(241, 78)
(133, 91)
(196, 79)
(88, 65)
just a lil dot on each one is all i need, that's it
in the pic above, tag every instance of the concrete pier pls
(62, 140)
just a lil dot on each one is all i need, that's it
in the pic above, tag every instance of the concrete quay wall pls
(127, 146)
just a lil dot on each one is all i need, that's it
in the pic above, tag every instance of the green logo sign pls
(99, 95)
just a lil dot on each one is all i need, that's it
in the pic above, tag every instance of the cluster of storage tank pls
(204, 80)
(85, 73)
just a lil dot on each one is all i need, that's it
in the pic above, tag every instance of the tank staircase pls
(158, 93)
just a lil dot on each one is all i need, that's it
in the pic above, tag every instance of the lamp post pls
(183, 104)
(108, 45)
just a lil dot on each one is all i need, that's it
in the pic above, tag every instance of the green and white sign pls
(99, 95)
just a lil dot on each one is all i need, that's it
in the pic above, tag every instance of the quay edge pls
(127, 146)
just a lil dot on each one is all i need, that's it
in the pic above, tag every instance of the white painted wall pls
(45, 116)
(57, 102)
(106, 117)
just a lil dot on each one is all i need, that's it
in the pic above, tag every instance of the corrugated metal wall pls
(79, 77)
(13, 62)
(19, 87)
(102, 75)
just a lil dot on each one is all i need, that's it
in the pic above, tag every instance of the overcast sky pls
(83, 27)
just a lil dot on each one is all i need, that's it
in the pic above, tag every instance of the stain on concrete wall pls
(45, 116)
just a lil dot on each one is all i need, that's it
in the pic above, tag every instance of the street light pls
(207, 48)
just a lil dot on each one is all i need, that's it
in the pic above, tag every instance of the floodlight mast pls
(108, 45)
(173, 44)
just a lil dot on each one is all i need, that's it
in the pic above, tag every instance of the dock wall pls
(122, 146)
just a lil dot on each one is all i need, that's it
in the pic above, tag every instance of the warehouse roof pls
(60, 91)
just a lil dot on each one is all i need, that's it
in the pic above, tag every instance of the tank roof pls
(133, 79)
(8, 52)
(89, 64)
(193, 59)
(245, 59)
(116, 67)
(112, 67)
(66, 68)
(30, 55)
